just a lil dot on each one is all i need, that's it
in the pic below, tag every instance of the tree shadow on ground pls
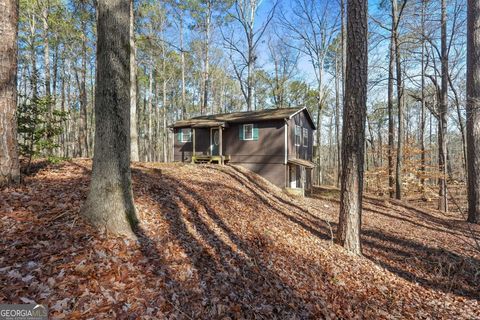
(227, 277)
(436, 268)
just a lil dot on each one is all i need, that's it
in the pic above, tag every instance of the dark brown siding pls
(269, 148)
(300, 152)
(275, 173)
(265, 156)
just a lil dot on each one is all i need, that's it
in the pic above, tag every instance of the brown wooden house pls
(275, 143)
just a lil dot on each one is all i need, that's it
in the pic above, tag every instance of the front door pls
(293, 176)
(214, 140)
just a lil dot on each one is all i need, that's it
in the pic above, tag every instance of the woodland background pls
(203, 57)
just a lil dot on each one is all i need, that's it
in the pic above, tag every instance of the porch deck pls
(210, 159)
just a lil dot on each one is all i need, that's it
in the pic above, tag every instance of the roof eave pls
(309, 116)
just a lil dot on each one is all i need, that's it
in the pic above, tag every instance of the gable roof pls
(242, 117)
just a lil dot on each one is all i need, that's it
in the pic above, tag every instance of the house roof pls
(301, 162)
(241, 117)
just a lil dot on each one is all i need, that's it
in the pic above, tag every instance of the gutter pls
(285, 130)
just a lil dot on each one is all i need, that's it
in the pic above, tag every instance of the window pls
(298, 134)
(185, 135)
(248, 132)
(305, 137)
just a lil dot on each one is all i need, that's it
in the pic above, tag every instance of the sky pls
(305, 67)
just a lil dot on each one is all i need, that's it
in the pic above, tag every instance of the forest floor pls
(218, 242)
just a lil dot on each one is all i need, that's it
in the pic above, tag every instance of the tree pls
(442, 114)
(313, 26)
(353, 133)
(245, 14)
(9, 165)
(473, 111)
(133, 89)
(109, 204)
(396, 16)
(284, 61)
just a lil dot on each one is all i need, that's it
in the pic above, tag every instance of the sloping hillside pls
(221, 243)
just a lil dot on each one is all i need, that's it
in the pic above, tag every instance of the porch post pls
(220, 142)
(193, 142)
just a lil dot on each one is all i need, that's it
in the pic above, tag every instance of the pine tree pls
(353, 134)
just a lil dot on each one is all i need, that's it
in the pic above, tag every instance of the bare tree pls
(473, 111)
(313, 27)
(353, 133)
(284, 60)
(9, 165)
(442, 114)
(245, 14)
(396, 16)
(109, 204)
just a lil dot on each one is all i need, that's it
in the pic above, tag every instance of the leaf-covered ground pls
(221, 243)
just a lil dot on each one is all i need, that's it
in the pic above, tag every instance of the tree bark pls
(149, 115)
(391, 127)
(33, 58)
(442, 116)
(473, 111)
(46, 62)
(133, 89)
(337, 116)
(353, 134)
(83, 125)
(400, 134)
(182, 56)
(422, 111)
(9, 165)
(109, 204)
(206, 79)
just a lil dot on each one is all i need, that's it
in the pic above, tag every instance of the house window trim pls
(305, 137)
(182, 135)
(298, 132)
(243, 128)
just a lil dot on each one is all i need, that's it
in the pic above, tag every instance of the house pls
(275, 143)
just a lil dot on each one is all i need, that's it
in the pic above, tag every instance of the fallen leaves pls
(220, 242)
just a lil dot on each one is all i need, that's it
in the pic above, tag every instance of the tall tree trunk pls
(319, 146)
(391, 126)
(353, 134)
(149, 115)
(442, 116)
(46, 53)
(33, 59)
(250, 81)
(182, 57)
(164, 125)
(473, 110)
(206, 79)
(343, 43)
(46, 65)
(83, 125)
(109, 204)
(400, 134)
(133, 89)
(9, 165)
(65, 132)
(422, 111)
(337, 117)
